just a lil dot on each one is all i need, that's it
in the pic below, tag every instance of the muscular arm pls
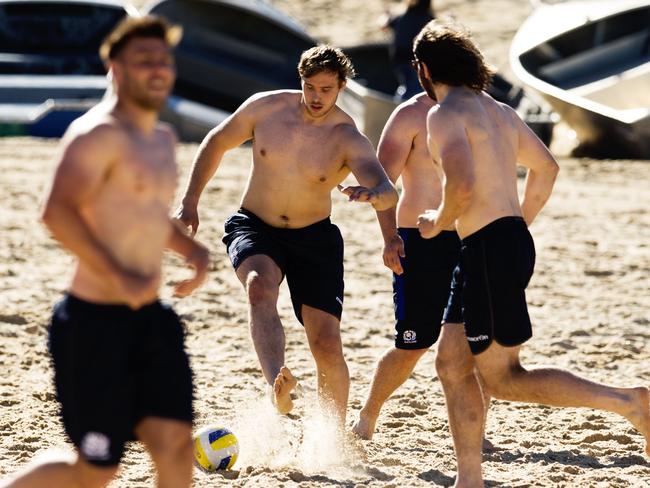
(394, 148)
(542, 171)
(448, 143)
(376, 187)
(231, 133)
(82, 165)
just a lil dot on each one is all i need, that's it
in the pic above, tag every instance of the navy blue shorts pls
(311, 258)
(421, 292)
(114, 366)
(488, 291)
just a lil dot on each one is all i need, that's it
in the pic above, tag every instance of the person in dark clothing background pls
(405, 27)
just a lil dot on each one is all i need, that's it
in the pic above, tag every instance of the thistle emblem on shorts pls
(95, 445)
(409, 336)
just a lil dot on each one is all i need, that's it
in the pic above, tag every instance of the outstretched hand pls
(358, 193)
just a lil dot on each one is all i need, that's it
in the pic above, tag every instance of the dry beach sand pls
(589, 302)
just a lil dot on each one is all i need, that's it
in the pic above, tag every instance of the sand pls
(588, 302)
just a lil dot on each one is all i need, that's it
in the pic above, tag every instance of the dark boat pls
(233, 49)
(51, 73)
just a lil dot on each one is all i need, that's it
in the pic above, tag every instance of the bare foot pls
(283, 385)
(639, 415)
(364, 427)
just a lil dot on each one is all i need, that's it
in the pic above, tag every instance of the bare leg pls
(261, 278)
(170, 444)
(508, 380)
(324, 336)
(393, 369)
(456, 370)
(487, 399)
(63, 474)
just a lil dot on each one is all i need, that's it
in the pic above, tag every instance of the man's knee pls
(405, 356)
(453, 358)
(171, 443)
(260, 289)
(502, 382)
(327, 348)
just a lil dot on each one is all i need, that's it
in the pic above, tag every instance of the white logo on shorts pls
(95, 446)
(339, 300)
(409, 336)
(479, 338)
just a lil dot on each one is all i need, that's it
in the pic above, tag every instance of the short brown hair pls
(137, 27)
(451, 56)
(325, 58)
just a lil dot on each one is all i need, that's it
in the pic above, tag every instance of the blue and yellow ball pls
(215, 448)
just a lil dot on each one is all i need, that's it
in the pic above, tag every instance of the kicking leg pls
(508, 380)
(261, 278)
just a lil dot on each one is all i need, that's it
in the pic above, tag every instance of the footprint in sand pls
(598, 437)
(13, 319)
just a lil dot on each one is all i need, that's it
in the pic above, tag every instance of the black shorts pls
(420, 293)
(114, 366)
(488, 290)
(311, 258)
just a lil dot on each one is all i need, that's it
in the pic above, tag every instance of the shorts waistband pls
(80, 303)
(495, 226)
(251, 215)
(415, 231)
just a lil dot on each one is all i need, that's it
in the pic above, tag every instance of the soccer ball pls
(215, 447)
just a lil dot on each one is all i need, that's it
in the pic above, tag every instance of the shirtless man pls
(478, 143)
(121, 371)
(422, 268)
(303, 147)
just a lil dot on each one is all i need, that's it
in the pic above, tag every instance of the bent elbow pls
(388, 200)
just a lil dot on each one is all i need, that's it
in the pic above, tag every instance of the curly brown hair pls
(451, 57)
(325, 58)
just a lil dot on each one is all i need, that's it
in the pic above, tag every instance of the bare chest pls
(312, 154)
(146, 172)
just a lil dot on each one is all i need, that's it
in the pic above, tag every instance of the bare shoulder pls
(439, 116)
(412, 112)
(270, 100)
(96, 128)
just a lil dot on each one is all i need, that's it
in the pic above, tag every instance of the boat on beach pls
(51, 72)
(232, 49)
(590, 59)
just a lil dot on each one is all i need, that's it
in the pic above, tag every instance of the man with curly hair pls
(478, 142)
